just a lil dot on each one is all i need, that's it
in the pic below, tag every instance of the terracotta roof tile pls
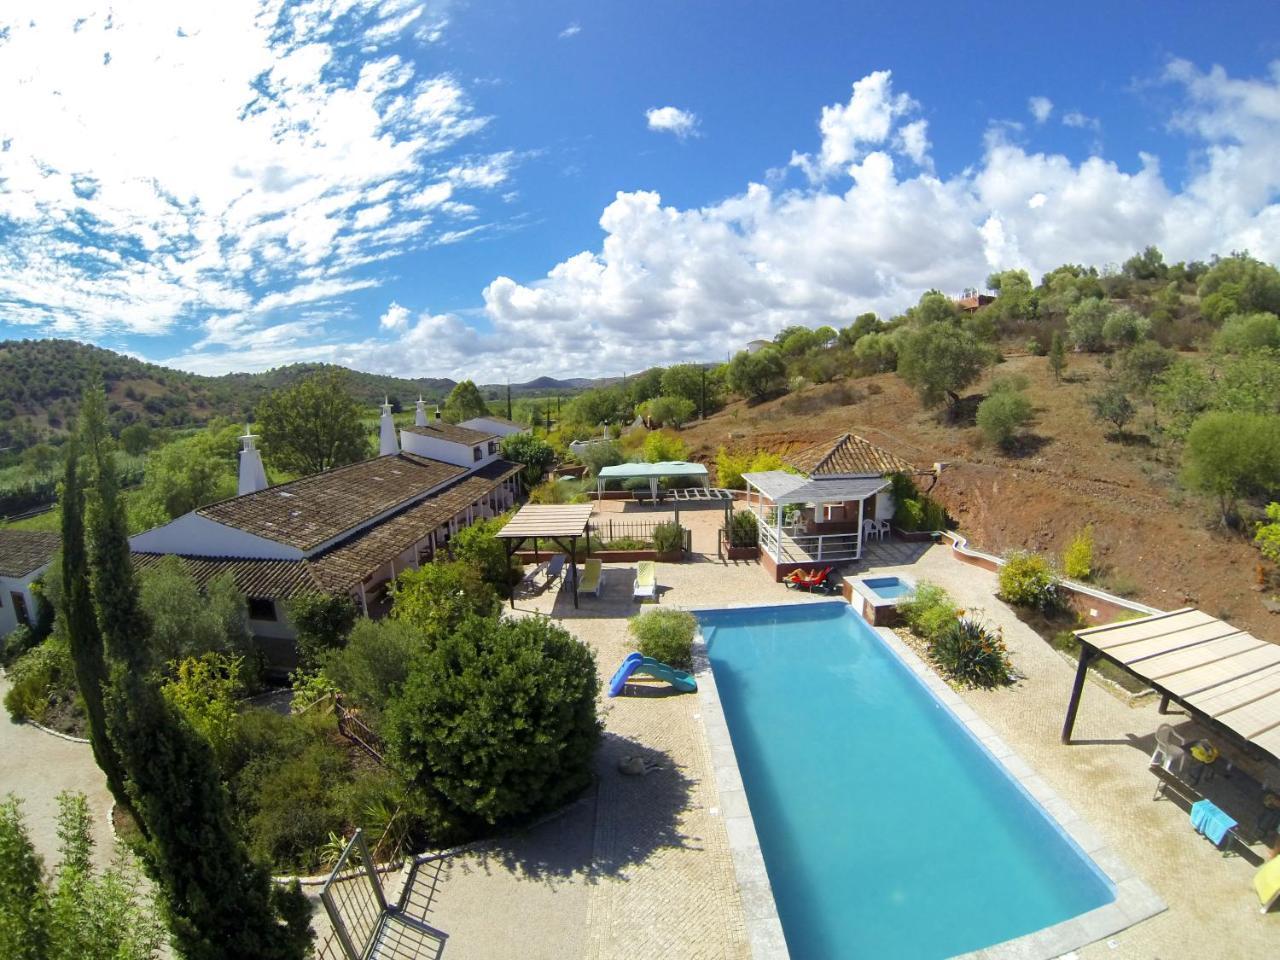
(22, 551)
(277, 579)
(312, 510)
(452, 432)
(846, 454)
(350, 562)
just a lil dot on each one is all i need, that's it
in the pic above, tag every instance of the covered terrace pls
(805, 522)
(1227, 681)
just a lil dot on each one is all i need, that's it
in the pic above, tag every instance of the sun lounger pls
(530, 579)
(555, 567)
(592, 578)
(1266, 882)
(646, 585)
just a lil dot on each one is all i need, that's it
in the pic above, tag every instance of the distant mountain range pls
(41, 382)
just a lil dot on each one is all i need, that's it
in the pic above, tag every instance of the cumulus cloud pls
(396, 317)
(1074, 118)
(167, 164)
(682, 123)
(874, 236)
(1040, 108)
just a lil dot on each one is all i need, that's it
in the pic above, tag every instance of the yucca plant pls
(971, 653)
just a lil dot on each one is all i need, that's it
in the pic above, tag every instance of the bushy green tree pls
(187, 474)
(372, 667)
(439, 595)
(1267, 535)
(876, 352)
(1124, 327)
(312, 426)
(1147, 265)
(1182, 393)
(1239, 284)
(591, 408)
(665, 635)
(322, 622)
(532, 452)
(1243, 332)
(464, 403)
(1015, 296)
(204, 690)
(863, 324)
(1086, 322)
(1002, 416)
(135, 439)
(1230, 456)
(645, 386)
(1112, 405)
(497, 721)
(756, 375)
(686, 380)
(662, 445)
(670, 411)
(939, 360)
(1143, 364)
(188, 622)
(600, 455)
(478, 546)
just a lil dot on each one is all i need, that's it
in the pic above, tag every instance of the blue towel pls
(1209, 820)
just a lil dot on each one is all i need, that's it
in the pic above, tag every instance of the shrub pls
(1077, 559)
(600, 455)
(1026, 580)
(548, 492)
(1002, 416)
(968, 651)
(729, 469)
(664, 445)
(668, 537)
(742, 529)
(497, 721)
(928, 611)
(373, 665)
(18, 642)
(909, 515)
(187, 621)
(534, 453)
(665, 635)
(671, 411)
(478, 546)
(322, 620)
(290, 805)
(438, 596)
(37, 680)
(627, 543)
(1124, 327)
(204, 690)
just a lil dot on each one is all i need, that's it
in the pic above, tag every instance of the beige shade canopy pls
(548, 520)
(1213, 668)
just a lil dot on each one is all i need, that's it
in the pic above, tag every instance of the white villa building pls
(348, 530)
(24, 557)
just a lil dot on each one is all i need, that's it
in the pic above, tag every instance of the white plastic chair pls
(882, 528)
(870, 529)
(1170, 752)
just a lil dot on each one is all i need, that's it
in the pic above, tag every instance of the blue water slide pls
(636, 663)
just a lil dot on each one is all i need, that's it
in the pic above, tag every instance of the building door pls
(20, 608)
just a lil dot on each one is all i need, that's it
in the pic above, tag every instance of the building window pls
(20, 608)
(262, 608)
(478, 453)
(493, 446)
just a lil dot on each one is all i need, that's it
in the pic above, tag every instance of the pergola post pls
(861, 507)
(1087, 653)
(777, 519)
(511, 549)
(573, 568)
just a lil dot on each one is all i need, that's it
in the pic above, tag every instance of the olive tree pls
(939, 360)
(1232, 455)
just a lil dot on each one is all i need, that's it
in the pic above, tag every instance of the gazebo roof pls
(847, 454)
(782, 487)
(664, 468)
(547, 520)
(1211, 667)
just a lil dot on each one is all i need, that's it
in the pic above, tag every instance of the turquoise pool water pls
(887, 830)
(888, 588)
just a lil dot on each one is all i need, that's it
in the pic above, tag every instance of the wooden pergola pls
(562, 524)
(1225, 678)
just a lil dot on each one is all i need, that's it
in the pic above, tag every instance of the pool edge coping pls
(765, 936)
(1134, 901)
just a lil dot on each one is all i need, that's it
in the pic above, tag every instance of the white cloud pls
(166, 163)
(1074, 118)
(850, 129)
(572, 30)
(699, 282)
(396, 317)
(672, 120)
(1040, 108)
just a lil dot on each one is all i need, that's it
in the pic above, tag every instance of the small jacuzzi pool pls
(877, 597)
(889, 588)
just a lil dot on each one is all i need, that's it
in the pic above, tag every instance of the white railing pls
(833, 547)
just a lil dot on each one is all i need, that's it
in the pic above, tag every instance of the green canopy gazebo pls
(653, 472)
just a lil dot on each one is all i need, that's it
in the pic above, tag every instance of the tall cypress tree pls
(81, 623)
(219, 903)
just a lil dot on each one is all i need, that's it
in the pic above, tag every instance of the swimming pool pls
(886, 829)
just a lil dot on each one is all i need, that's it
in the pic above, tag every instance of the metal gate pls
(365, 926)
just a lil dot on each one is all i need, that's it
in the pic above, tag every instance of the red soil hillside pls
(1153, 541)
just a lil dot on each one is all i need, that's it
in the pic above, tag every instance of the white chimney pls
(252, 476)
(420, 414)
(388, 444)
(437, 413)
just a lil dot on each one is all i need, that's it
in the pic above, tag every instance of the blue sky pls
(508, 189)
